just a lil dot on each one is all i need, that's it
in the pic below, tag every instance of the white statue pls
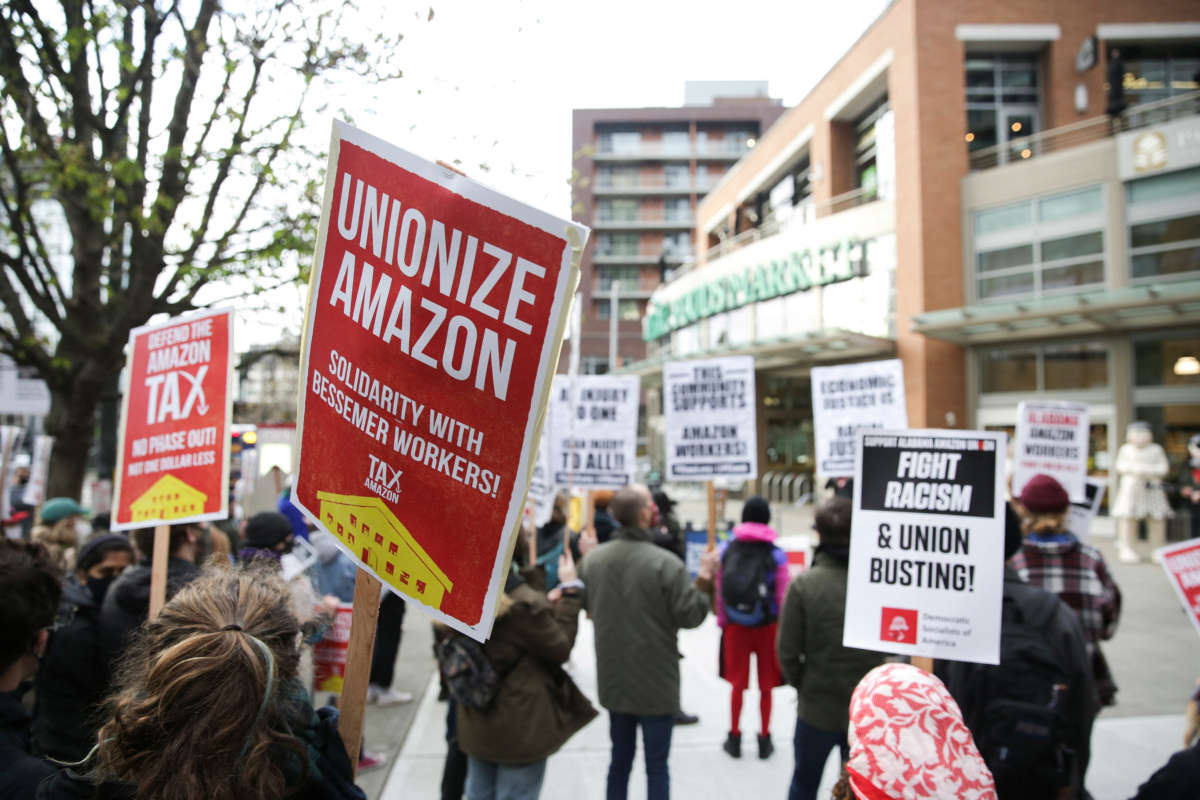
(1141, 466)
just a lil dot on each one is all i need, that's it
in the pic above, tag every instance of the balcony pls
(619, 257)
(645, 223)
(1086, 131)
(627, 190)
(656, 152)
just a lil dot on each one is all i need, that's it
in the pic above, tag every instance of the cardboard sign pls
(435, 317)
(1051, 439)
(1081, 514)
(1182, 564)
(849, 398)
(593, 432)
(710, 426)
(329, 654)
(173, 451)
(926, 564)
(35, 490)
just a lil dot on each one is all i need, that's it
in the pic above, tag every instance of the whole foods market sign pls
(797, 271)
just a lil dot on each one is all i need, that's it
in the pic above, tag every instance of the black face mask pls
(99, 587)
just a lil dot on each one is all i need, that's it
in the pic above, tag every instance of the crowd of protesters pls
(206, 700)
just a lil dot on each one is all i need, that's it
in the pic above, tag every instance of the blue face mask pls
(99, 587)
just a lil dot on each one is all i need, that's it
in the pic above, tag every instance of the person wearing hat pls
(986, 693)
(669, 532)
(73, 677)
(267, 535)
(61, 527)
(127, 602)
(751, 562)
(1053, 558)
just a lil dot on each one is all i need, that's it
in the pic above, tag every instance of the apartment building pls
(638, 175)
(959, 196)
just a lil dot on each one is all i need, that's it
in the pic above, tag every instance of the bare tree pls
(164, 137)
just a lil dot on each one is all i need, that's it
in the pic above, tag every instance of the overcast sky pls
(492, 83)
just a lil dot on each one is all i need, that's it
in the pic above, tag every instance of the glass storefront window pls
(1019, 256)
(1173, 425)
(1164, 230)
(1167, 362)
(1004, 218)
(1075, 366)
(1070, 204)
(1003, 95)
(1156, 72)
(1006, 370)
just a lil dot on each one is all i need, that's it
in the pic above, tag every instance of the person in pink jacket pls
(750, 587)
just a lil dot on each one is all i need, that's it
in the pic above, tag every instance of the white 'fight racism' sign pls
(926, 565)
(848, 398)
(711, 430)
(1051, 439)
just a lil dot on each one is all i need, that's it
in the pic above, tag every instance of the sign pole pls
(158, 569)
(358, 663)
(712, 514)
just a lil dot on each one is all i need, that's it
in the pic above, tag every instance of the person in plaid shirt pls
(1053, 558)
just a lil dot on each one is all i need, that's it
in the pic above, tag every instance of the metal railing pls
(795, 488)
(1086, 131)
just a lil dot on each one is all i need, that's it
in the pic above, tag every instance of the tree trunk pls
(72, 423)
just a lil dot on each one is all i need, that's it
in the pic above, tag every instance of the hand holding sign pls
(708, 565)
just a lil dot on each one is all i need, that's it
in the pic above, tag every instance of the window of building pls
(627, 310)
(866, 172)
(613, 177)
(677, 209)
(1161, 361)
(1158, 71)
(617, 244)
(627, 279)
(676, 142)
(678, 245)
(593, 365)
(1040, 246)
(617, 210)
(618, 142)
(676, 176)
(1003, 102)
(1058, 367)
(1164, 225)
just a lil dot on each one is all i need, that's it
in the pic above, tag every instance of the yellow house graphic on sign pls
(371, 531)
(168, 498)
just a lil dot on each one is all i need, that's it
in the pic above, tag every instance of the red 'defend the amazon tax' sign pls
(173, 457)
(435, 315)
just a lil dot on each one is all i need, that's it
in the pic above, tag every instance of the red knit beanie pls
(1044, 495)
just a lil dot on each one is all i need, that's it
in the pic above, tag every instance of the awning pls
(800, 349)
(1155, 305)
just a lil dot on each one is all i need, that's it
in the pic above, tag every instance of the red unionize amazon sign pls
(436, 311)
(173, 457)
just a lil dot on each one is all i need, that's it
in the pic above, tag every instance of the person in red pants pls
(751, 583)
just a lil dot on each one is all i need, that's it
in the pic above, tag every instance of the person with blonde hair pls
(208, 706)
(61, 527)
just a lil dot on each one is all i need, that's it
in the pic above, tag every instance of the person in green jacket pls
(811, 654)
(639, 596)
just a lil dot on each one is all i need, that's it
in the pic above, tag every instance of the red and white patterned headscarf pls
(908, 740)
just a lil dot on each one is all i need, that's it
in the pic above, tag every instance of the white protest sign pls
(1080, 514)
(594, 439)
(710, 427)
(1051, 439)
(541, 487)
(21, 392)
(10, 438)
(848, 398)
(35, 490)
(926, 567)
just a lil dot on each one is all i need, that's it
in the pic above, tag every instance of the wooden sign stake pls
(158, 568)
(712, 515)
(923, 662)
(358, 663)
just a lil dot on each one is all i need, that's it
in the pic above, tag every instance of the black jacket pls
(1177, 780)
(20, 771)
(127, 603)
(330, 776)
(71, 680)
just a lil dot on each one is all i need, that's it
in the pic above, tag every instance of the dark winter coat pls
(329, 774)
(72, 679)
(810, 645)
(1064, 633)
(127, 603)
(538, 707)
(604, 524)
(639, 596)
(20, 771)
(1177, 780)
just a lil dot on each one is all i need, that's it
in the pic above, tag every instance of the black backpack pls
(467, 673)
(1019, 722)
(748, 583)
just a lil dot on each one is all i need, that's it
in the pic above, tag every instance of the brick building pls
(968, 205)
(638, 174)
